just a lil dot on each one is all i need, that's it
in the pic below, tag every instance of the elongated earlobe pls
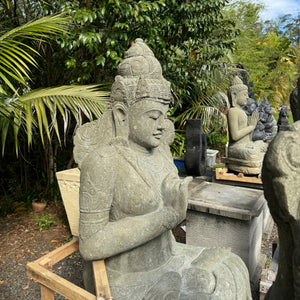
(120, 115)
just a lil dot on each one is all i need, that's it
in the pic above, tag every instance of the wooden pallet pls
(41, 269)
(222, 174)
(50, 283)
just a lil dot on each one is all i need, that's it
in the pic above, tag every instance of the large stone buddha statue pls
(131, 197)
(244, 155)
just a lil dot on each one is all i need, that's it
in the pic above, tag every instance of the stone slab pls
(227, 216)
(224, 200)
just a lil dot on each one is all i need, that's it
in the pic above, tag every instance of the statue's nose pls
(161, 123)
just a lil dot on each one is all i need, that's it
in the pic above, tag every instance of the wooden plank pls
(101, 280)
(58, 254)
(46, 294)
(221, 174)
(58, 284)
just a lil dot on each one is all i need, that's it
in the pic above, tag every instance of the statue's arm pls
(237, 133)
(101, 238)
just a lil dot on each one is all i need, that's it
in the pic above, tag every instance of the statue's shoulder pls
(103, 157)
(233, 111)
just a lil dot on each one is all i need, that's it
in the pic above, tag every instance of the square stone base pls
(227, 216)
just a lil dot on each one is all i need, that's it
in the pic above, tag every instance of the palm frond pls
(39, 109)
(39, 29)
(16, 57)
(10, 116)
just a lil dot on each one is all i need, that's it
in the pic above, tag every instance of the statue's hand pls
(252, 120)
(175, 193)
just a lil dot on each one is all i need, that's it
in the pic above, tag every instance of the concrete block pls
(227, 216)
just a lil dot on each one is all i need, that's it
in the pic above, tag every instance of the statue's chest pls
(243, 120)
(136, 192)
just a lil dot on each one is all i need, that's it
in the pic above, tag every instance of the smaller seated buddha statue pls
(244, 154)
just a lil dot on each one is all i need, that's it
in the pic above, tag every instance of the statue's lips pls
(157, 135)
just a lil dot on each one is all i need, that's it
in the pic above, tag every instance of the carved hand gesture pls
(252, 120)
(174, 193)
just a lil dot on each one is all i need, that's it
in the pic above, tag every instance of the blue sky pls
(276, 8)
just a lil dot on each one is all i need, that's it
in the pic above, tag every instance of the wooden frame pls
(222, 174)
(41, 271)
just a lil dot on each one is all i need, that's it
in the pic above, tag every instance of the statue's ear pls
(120, 114)
(233, 98)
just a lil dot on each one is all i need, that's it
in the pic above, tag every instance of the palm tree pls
(39, 109)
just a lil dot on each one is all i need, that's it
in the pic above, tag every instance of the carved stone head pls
(237, 92)
(139, 78)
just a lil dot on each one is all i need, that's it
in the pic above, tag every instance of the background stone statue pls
(281, 181)
(266, 124)
(131, 197)
(244, 155)
(283, 122)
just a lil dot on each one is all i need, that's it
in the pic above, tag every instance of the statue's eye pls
(154, 115)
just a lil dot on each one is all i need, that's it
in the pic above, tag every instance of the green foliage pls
(188, 38)
(16, 56)
(178, 146)
(266, 52)
(44, 222)
(216, 137)
(39, 109)
(68, 238)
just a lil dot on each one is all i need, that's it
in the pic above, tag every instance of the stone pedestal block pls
(227, 216)
(68, 182)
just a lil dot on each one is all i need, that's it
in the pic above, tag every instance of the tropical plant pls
(38, 109)
(184, 36)
(267, 50)
(16, 55)
(189, 38)
(40, 116)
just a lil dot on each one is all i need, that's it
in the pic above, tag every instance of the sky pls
(276, 8)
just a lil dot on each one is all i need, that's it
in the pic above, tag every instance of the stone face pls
(281, 174)
(196, 146)
(131, 197)
(244, 155)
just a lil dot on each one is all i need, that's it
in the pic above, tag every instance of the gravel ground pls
(18, 286)
(21, 242)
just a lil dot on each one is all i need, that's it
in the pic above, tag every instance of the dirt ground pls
(21, 241)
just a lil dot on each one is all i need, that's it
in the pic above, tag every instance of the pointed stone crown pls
(140, 77)
(237, 84)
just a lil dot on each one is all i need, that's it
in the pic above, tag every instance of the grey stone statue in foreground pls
(244, 155)
(131, 197)
(281, 180)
